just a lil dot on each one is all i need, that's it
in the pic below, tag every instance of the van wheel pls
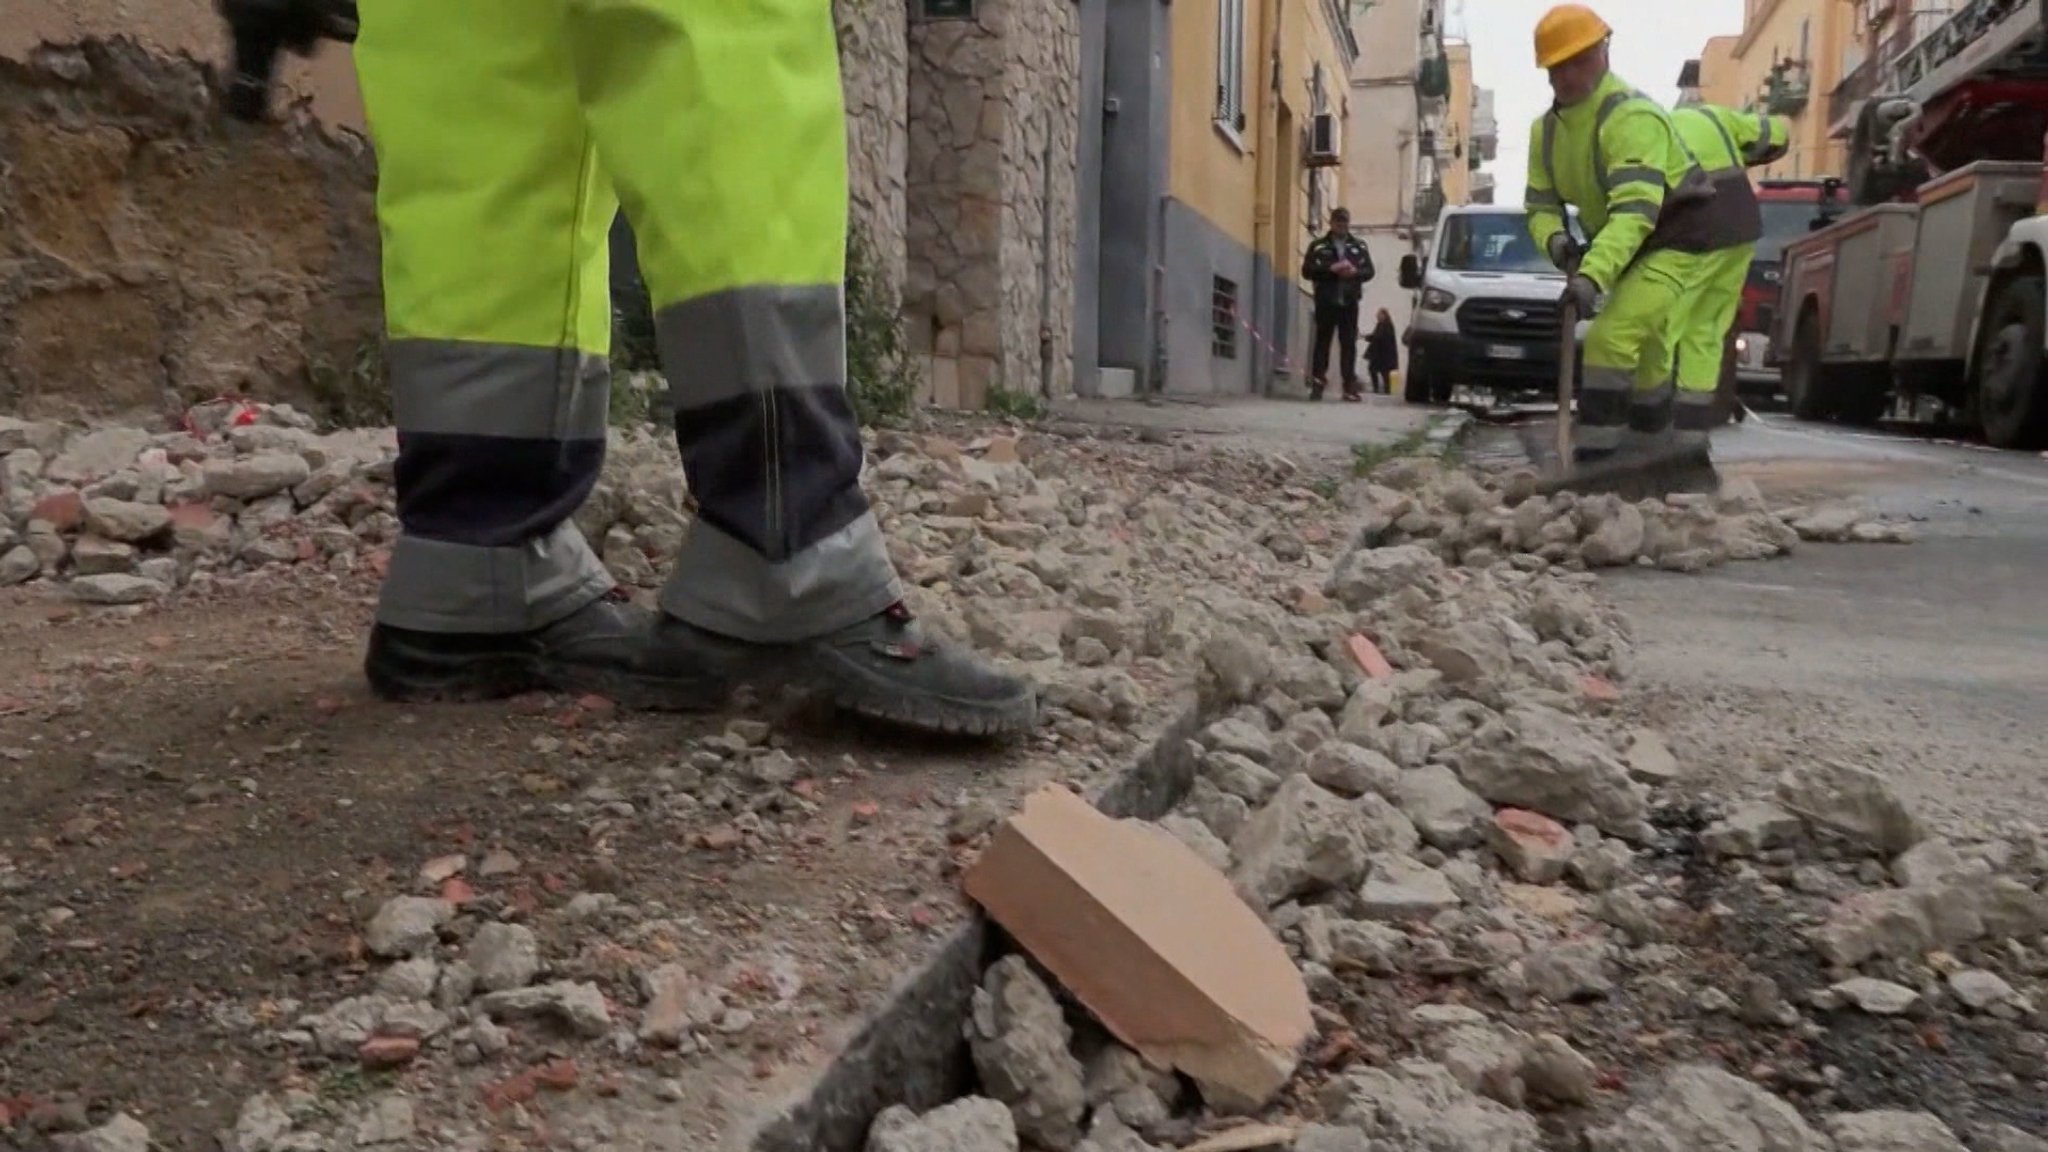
(2012, 398)
(1806, 383)
(1420, 382)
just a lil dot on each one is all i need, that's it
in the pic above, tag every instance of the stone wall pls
(1042, 93)
(151, 257)
(874, 61)
(986, 96)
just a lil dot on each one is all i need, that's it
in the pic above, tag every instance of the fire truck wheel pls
(1807, 383)
(2012, 398)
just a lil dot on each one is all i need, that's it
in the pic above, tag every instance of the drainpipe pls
(1045, 264)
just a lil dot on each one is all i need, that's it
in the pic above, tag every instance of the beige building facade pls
(1788, 59)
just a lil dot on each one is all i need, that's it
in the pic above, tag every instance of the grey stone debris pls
(1570, 972)
(406, 926)
(1877, 997)
(1891, 1131)
(1750, 829)
(1401, 888)
(1979, 990)
(1020, 1042)
(1197, 836)
(1555, 1072)
(505, 956)
(1306, 839)
(261, 1126)
(388, 1119)
(577, 1006)
(1350, 770)
(1449, 816)
(2006, 1138)
(1698, 1106)
(123, 1133)
(114, 589)
(1543, 760)
(973, 1124)
(1331, 1138)
(1852, 803)
(1419, 1105)
(1364, 575)
(1119, 1081)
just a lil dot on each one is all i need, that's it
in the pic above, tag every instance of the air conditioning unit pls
(1323, 129)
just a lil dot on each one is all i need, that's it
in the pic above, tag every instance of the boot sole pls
(852, 688)
(480, 679)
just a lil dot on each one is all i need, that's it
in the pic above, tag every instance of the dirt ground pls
(198, 803)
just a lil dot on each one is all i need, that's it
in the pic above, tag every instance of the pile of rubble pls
(1495, 918)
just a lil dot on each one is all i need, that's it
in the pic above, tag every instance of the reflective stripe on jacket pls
(1725, 142)
(1617, 157)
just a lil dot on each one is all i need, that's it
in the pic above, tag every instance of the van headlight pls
(1437, 300)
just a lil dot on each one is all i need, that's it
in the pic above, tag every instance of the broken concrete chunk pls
(973, 1124)
(1180, 969)
(1555, 1072)
(1979, 990)
(1401, 888)
(1020, 1042)
(1750, 829)
(1891, 923)
(1449, 816)
(1891, 1131)
(1698, 1106)
(1349, 770)
(1533, 846)
(1853, 803)
(1650, 760)
(505, 956)
(579, 1007)
(1418, 1104)
(1877, 997)
(1927, 864)
(1119, 1081)
(1364, 575)
(1570, 973)
(124, 1133)
(406, 926)
(1238, 775)
(1305, 840)
(1543, 760)
(1196, 835)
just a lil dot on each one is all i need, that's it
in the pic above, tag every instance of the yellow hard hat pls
(1567, 30)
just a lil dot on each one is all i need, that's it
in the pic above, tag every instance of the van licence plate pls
(1506, 352)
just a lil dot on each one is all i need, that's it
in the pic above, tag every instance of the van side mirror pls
(1411, 273)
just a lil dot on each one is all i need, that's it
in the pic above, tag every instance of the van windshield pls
(1490, 242)
(1784, 222)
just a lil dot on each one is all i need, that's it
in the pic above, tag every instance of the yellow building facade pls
(1787, 59)
(1457, 172)
(1254, 169)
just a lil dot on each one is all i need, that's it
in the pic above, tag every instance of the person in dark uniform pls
(1338, 265)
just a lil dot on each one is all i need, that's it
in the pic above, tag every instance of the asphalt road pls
(1928, 661)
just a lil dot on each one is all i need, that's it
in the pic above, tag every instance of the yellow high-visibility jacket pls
(1618, 158)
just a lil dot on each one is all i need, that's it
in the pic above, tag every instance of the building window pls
(1223, 318)
(1230, 64)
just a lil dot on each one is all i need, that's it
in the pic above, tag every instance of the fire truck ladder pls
(1983, 37)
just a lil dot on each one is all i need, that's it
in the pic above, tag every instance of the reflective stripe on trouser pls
(1629, 349)
(1701, 341)
(507, 134)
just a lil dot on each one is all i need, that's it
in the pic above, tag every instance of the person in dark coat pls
(1382, 353)
(1338, 264)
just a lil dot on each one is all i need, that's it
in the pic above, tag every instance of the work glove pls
(1564, 252)
(263, 30)
(1582, 294)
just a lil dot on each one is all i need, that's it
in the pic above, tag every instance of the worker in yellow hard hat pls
(1653, 218)
(1726, 143)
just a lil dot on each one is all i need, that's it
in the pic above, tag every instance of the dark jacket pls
(1333, 291)
(1382, 348)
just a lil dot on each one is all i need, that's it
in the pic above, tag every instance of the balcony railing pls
(1429, 205)
(1433, 77)
(1787, 88)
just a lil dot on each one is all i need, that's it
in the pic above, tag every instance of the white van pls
(1486, 313)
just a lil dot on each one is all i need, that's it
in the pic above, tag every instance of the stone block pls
(1151, 940)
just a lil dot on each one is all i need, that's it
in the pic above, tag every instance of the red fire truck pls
(1790, 210)
(1929, 300)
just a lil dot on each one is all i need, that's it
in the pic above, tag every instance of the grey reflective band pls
(433, 586)
(507, 390)
(724, 586)
(1542, 198)
(748, 341)
(1644, 208)
(1635, 175)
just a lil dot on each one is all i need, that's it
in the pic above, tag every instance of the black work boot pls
(607, 648)
(886, 667)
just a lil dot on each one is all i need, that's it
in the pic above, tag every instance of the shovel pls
(1567, 379)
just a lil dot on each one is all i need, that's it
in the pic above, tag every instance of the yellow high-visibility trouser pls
(1703, 335)
(508, 133)
(1631, 346)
